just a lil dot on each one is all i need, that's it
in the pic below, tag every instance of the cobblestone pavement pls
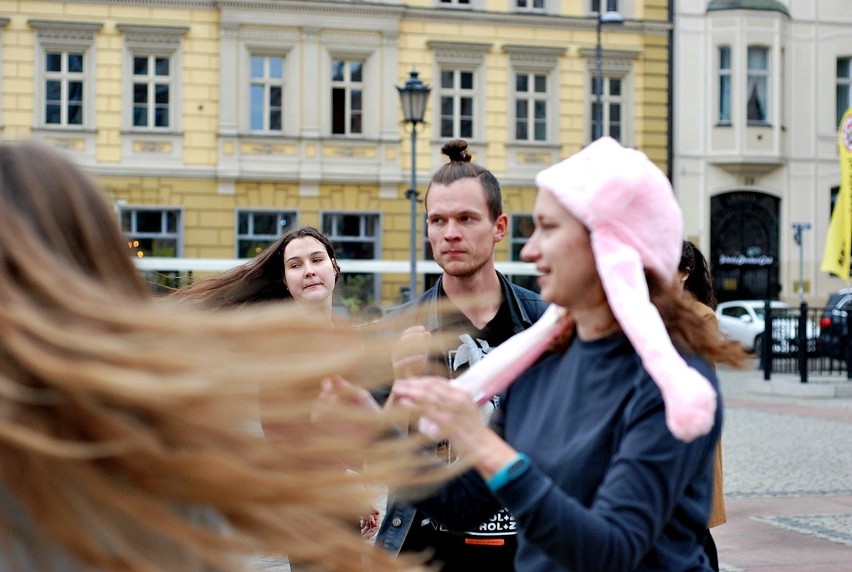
(788, 475)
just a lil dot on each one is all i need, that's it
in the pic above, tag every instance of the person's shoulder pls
(531, 300)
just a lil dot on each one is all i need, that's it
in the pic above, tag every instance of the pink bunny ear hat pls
(635, 224)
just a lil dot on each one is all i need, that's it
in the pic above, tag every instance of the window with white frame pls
(152, 87)
(844, 87)
(154, 232)
(455, 2)
(65, 74)
(529, 5)
(757, 85)
(724, 117)
(355, 237)
(531, 96)
(63, 87)
(153, 80)
(257, 229)
(607, 5)
(266, 93)
(457, 103)
(611, 106)
(347, 88)
(521, 229)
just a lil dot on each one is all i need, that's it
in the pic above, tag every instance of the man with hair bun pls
(464, 221)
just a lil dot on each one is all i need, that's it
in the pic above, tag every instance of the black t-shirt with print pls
(491, 545)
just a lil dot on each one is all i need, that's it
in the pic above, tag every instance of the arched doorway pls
(744, 245)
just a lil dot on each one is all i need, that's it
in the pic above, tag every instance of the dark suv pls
(833, 334)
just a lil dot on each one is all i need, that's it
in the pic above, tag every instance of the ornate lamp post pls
(608, 17)
(413, 97)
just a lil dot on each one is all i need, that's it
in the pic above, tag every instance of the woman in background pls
(300, 266)
(694, 277)
(124, 418)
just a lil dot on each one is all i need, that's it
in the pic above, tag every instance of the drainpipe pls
(670, 135)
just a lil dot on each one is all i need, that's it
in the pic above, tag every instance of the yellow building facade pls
(213, 125)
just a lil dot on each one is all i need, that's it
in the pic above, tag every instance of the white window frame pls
(530, 6)
(348, 85)
(534, 60)
(459, 96)
(459, 57)
(65, 37)
(725, 85)
(285, 219)
(156, 42)
(529, 100)
(330, 224)
(132, 232)
(461, 4)
(608, 100)
(267, 83)
(615, 64)
(844, 83)
(755, 77)
(235, 80)
(595, 5)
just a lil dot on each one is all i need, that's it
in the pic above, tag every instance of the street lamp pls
(608, 17)
(413, 96)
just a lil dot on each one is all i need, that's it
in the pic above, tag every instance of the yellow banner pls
(835, 258)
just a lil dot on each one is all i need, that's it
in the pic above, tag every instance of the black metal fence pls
(806, 341)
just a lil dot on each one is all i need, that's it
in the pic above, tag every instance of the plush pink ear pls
(689, 398)
(505, 363)
(500, 367)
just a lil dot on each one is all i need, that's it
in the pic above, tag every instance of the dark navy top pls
(610, 488)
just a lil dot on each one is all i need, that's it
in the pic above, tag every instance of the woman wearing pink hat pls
(604, 447)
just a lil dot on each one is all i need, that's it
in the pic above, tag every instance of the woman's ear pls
(336, 269)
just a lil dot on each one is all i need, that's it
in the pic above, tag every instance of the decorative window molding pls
(65, 75)
(460, 100)
(617, 94)
(533, 74)
(152, 78)
(152, 93)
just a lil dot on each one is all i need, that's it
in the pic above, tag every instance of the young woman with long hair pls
(125, 419)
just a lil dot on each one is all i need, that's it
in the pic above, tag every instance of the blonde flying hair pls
(123, 417)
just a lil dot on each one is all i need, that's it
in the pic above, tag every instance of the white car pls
(743, 322)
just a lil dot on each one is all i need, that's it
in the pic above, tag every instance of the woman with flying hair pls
(125, 419)
(272, 275)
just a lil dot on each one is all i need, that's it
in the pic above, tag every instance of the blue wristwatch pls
(509, 472)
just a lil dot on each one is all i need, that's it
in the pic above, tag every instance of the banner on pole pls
(835, 258)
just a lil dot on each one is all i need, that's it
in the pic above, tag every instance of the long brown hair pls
(123, 416)
(259, 280)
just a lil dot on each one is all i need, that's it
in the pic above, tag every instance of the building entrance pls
(744, 245)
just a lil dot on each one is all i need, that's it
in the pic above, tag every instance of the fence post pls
(802, 336)
(847, 347)
(766, 348)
